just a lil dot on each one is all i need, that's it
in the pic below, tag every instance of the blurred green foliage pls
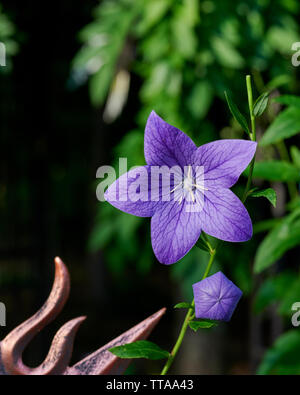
(185, 55)
(7, 37)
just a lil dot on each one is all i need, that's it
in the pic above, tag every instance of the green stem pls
(188, 318)
(212, 251)
(252, 135)
(250, 103)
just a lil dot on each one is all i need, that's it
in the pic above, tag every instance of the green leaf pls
(289, 100)
(275, 170)
(153, 13)
(283, 237)
(268, 193)
(261, 104)
(278, 81)
(182, 305)
(140, 349)
(202, 245)
(265, 225)
(287, 124)
(205, 324)
(283, 356)
(290, 296)
(273, 290)
(237, 114)
(295, 154)
(226, 54)
(200, 99)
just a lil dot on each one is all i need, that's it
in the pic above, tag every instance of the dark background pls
(52, 142)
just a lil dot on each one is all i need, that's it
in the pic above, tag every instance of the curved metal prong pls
(100, 362)
(15, 342)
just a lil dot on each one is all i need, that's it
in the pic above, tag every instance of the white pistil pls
(188, 186)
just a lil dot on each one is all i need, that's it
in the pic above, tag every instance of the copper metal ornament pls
(58, 358)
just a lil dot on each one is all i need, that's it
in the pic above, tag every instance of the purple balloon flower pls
(216, 297)
(199, 190)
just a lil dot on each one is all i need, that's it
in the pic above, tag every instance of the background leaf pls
(287, 124)
(289, 100)
(272, 290)
(283, 357)
(283, 237)
(268, 193)
(275, 170)
(295, 154)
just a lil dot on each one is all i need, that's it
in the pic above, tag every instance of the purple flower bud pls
(216, 297)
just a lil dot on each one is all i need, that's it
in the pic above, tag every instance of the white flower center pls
(187, 188)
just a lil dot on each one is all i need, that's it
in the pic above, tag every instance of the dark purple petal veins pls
(166, 145)
(225, 217)
(174, 231)
(224, 161)
(122, 194)
(216, 297)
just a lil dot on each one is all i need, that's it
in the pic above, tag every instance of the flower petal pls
(225, 217)
(165, 144)
(131, 193)
(174, 231)
(224, 160)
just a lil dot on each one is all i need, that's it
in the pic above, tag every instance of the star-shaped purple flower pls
(216, 297)
(201, 179)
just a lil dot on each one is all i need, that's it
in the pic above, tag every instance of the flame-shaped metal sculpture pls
(58, 358)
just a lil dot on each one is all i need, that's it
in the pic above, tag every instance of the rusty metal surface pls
(58, 358)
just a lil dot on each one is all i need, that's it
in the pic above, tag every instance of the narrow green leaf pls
(268, 193)
(182, 305)
(195, 325)
(286, 125)
(282, 238)
(289, 100)
(275, 170)
(261, 104)
(140, 349)
(202, 245)
(237, 114)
